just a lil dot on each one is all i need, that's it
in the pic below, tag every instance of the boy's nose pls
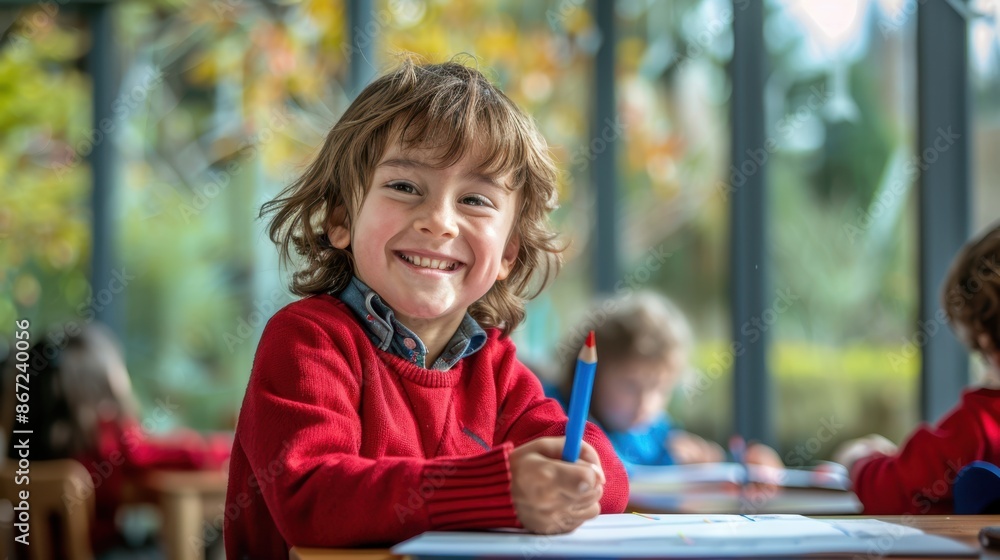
(438, 220)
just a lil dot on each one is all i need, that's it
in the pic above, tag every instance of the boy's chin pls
(426, 313)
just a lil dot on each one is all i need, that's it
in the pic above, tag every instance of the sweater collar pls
(388, 334)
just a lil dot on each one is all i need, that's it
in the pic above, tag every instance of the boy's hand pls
(686, 448)
(851, 451)
(550, 495)
(760, 454)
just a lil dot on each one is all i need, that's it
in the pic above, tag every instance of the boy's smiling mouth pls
(419, 261)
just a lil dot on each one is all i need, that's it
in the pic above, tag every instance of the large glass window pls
(840, 108)
(221, 104)
(984, 74)
(45, 238)
(673, 97)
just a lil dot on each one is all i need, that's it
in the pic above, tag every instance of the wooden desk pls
(963, 528)
(342, 554)
(187, 499)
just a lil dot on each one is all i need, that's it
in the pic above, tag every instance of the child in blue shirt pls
(643, 343)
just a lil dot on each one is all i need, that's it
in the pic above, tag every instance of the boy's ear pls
(509, 256)
(991, 354)
(336, 229)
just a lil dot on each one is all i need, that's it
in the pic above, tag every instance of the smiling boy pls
(432, 241)
(389, 401)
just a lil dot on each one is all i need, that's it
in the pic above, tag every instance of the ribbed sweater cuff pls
(471, 492)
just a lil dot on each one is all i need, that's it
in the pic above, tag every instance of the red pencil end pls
(590, 340)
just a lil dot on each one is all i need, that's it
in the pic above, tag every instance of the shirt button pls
(409, 343)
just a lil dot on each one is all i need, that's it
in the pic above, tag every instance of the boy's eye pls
(402, 187)
(475, 200)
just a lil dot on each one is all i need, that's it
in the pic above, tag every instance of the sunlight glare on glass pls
(984, 40)
(892, 9)
(833, 24)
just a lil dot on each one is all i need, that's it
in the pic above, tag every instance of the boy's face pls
(633, 392)
(431, 241)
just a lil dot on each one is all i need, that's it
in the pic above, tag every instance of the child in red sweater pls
(918, 477)
(83, 408)
(389, 401)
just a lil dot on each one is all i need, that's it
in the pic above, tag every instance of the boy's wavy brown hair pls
(453, 110)
(971, 292)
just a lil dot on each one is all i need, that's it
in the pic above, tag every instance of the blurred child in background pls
(644, 344)
(83, 407)
(907, 480)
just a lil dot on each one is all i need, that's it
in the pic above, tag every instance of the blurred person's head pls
(447, 117)
(75, 381)
(971, 296)
(643, 347)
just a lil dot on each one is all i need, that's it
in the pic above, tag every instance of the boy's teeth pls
(425, 262)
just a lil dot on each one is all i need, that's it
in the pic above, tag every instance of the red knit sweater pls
(340, 444)
(918, 478)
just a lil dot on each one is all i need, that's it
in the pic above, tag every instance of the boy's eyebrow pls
(408, 163)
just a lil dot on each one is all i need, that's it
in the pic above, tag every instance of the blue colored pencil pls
(579, 402)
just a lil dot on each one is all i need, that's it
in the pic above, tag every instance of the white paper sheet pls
(693, 536)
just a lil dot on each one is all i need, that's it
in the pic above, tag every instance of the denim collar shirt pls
(389, 335)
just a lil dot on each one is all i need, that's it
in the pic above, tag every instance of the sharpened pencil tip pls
(590, 340)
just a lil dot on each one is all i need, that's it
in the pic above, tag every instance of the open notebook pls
(692, 536)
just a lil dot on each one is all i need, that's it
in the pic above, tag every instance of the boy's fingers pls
(576, 479)
(551, 447)
(589, 455)
(589, 512)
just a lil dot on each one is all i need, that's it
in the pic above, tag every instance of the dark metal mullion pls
(606, 245)
(943, 150)
(363, 31)
(749, 265)
(102, 64)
